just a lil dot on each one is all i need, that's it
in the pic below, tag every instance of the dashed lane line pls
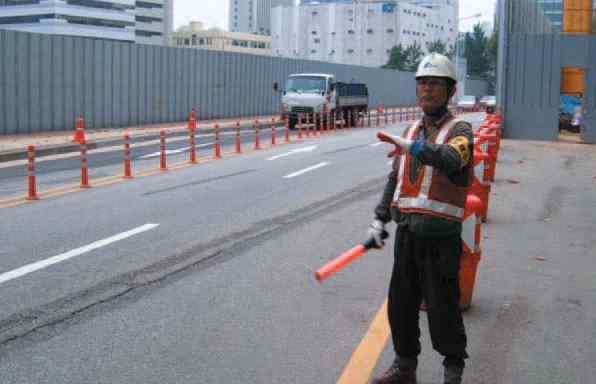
(33, 267)
(306, 170)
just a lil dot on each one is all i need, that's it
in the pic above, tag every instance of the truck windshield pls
(306, 84)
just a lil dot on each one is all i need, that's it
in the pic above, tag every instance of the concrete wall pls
(46, 81)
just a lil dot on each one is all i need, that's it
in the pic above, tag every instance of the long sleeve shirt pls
(454, 159)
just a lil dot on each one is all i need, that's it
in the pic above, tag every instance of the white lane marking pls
(30, 268)
(298, 150)
(377, 144)
(168, 152)
(173, 151)
(305, 170)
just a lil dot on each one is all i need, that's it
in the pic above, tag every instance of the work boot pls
(453, 374)
(402, 371)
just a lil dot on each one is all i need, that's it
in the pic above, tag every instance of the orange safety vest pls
(433, 193)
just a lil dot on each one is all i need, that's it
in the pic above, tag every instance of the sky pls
(214, 13)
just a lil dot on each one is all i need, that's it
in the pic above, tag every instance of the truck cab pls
(308, 93)
(313, 94)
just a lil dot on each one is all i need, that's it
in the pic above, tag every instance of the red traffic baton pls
(346, 258)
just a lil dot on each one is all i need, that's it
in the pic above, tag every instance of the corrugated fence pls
(47, 81)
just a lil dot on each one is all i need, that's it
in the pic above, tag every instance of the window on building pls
(317, 41)
(369, 31)
(350, 51)
(314, 32)
(313, 51)
(351, 32)
(390, 30)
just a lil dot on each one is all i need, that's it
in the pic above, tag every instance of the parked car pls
(488, 103)
(570, 113)
(467, 103)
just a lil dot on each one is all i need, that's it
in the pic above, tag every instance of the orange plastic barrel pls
(467, 278)
(468, 265)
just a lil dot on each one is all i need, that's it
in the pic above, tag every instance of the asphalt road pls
(204, 274)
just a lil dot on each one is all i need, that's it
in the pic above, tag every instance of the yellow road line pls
(365, 357)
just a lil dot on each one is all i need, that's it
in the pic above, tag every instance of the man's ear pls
(452, 91)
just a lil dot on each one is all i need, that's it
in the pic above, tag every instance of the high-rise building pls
(253, 16)
(142, 21)
(153, 21)
(305, 2)
(362, 32)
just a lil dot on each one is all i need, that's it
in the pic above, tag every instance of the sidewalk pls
(14, 147)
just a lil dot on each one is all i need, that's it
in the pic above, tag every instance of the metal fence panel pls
(47, 81)
(10, 72)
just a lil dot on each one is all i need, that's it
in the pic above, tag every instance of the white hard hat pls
(436, 65)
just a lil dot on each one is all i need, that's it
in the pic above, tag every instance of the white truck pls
(317, 93)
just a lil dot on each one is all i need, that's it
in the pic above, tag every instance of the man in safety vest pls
(425, 195)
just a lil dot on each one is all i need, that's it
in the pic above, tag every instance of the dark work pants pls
(427, 268)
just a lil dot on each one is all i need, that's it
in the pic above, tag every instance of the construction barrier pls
(217, 145)
(84, 166)
(127, 157)
(163, 165)
(320, 123)
(32, 185)
(472, 252)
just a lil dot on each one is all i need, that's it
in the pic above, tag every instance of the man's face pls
(433, 93)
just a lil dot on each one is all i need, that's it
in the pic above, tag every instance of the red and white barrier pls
(32, 185)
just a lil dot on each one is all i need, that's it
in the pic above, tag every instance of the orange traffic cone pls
(79, 135)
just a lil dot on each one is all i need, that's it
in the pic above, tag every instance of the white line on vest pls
(30, 268)
(320, 165)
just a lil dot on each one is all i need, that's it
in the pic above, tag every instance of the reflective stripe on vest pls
(468, 233)
(409, 134)
(479, 171)
(422, 203)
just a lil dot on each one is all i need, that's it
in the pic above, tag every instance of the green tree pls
(476, 44)
(451, 52)
(414, 55)
(437, 46)
(405, 59)
(397, 58)
(492, 50)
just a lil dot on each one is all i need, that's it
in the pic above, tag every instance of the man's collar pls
(433, 122)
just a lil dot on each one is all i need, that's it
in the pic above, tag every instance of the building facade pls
(196, 36)
(153, 21)
(143, 21)
(363, 32)
(553, 10)
(253, 16)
